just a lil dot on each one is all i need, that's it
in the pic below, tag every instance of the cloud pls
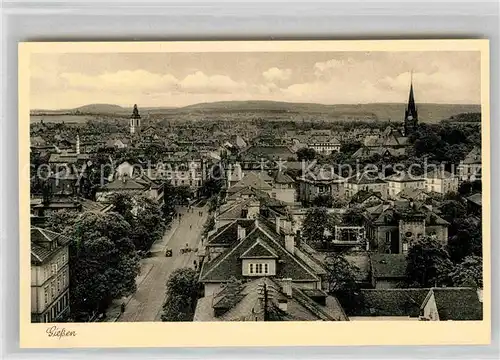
(199, 82)
(274, 74)
(326, 67)
(124, 80)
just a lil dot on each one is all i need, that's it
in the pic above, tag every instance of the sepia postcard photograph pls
(254, 193)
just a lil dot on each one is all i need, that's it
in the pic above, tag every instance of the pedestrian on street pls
(122, 308)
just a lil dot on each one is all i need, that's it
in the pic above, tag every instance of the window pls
(46, 294)
(54, 269)
(58, 284)
(266, 269)
(251, 269)
(52, 289)
(259, 269)
(405, 247)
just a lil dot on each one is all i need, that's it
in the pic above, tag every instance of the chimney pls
(287, 226)
(78, 144)
(278, 224)
(286, 285)
(283, 305)
(290, 243)
(241, 232)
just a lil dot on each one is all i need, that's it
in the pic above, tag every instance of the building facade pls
(49, 276)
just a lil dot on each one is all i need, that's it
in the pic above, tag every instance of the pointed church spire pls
(412, 109)
(411, 114)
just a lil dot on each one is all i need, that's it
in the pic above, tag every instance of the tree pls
(317, 220)
(428, 263)
(469, 273)
(350, 148)
(353, 217)
(123, 204)
(145, 217)
(323, 201)
(182, 194)
(103, 261)
(182, 292)
(465, 238)
(341, 279)
(209, 226)
(61, 221)
(169, 201)
(341, 275)
(306, 154)
(148, 223)
(452, 209)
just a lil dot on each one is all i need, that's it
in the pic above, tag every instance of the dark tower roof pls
(412, 108)
(411, 114)
(135, 113)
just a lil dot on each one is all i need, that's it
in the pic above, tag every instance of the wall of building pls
(286, 194)
(430, 309)
(212, 288)
(440, 231)
(47, 283)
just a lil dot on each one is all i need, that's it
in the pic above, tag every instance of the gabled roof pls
(233, 211)
(403, 176)
(474, 156)
(68, 158)
(228, 264)
(389, 302)
(363, 195)
(411, 193)
(388, 265)
(439, 174)
(249, 305)
(320, 173)
(366, 178)
(283, 178)
(457, 303)
(121, 184)
(37, 141)
(476, 199)
(259, 250)
(227, 234)
(387, 214)
(40, 240)
(250, 179)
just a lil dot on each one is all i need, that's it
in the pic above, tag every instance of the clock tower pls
(135, 121)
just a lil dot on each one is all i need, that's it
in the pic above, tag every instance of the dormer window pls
(258, 268)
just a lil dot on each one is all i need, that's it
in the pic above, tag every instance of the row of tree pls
(103, 250)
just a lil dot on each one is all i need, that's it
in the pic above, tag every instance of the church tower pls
(411, 115)
(135, 121)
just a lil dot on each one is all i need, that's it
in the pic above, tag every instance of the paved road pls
(146, 303)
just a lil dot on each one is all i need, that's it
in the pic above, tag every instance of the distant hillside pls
(375, 111)
(382, 111)
(99, 109)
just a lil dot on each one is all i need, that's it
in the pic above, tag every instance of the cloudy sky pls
(61, 81)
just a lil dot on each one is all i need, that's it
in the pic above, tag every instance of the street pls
(146, 303)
